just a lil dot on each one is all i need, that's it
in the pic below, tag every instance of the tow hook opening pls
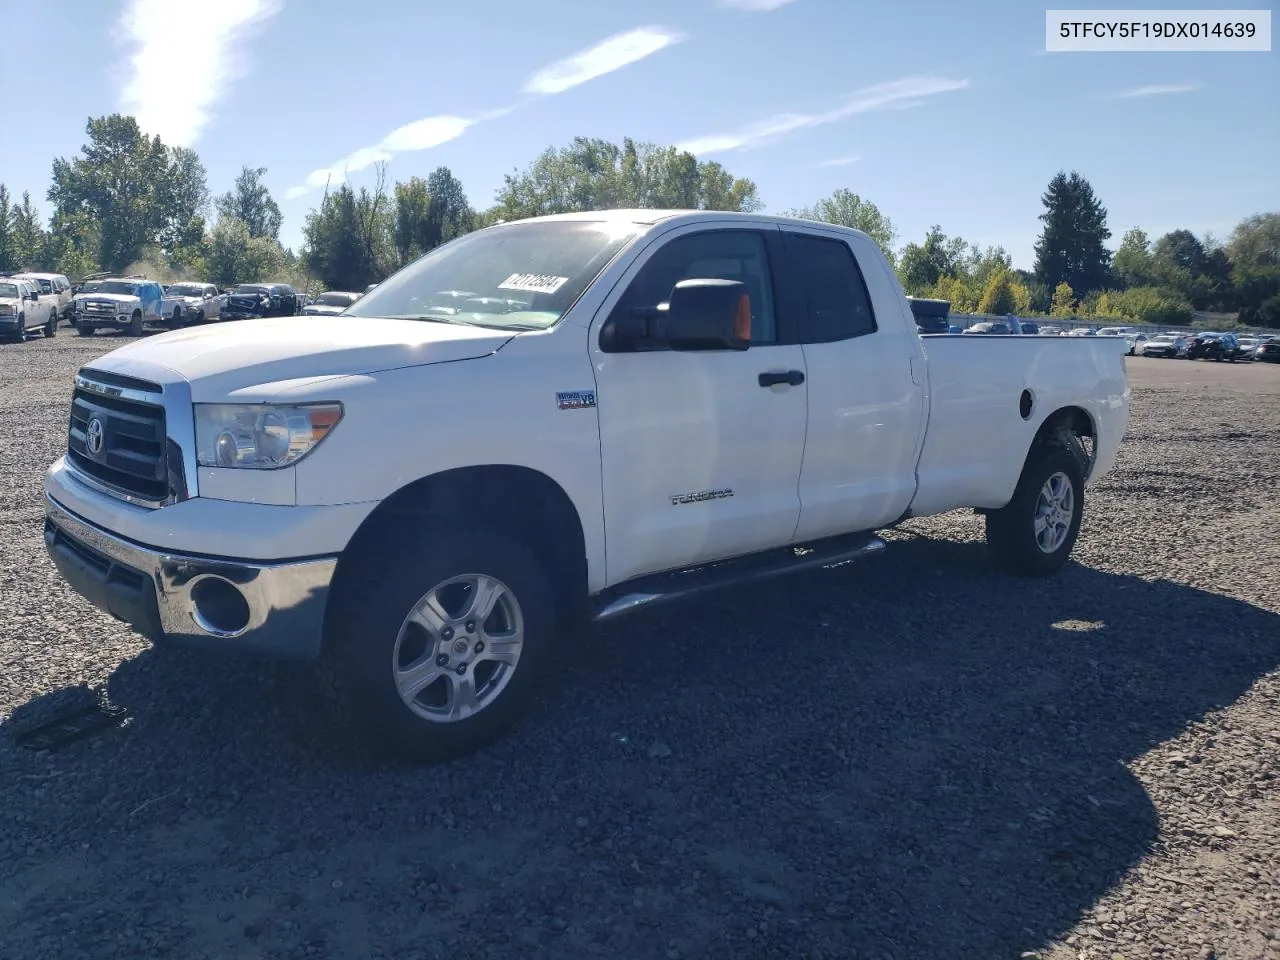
(218, 607)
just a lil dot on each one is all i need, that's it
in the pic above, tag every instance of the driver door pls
(701, 450)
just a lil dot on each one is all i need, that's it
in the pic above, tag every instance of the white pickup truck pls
(546, 421)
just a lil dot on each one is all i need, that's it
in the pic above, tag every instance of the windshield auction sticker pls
(1170, 31)
(533, 283)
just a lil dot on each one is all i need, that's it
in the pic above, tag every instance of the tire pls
(51, 328)
(197, 317)
(176, 321)
(20, 335)
(135, 324)
(1011, 531)
(84, 330)
(368, 631)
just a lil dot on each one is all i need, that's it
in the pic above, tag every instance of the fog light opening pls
(218, 607)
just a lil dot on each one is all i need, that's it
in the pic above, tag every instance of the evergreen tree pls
(1071, 248)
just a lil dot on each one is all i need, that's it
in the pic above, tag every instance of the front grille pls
(96, 309)
(133, 457)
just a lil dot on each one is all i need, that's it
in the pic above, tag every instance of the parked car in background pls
(1080, 332)
(330, 303)
(991, 327)
(1247, 347)
(121, 304)
(186, 303)
(23, 309)
(53, 285)
(1135, 341)
(1030, 328)
(955, 328)
(1114, 331)
(1213, 346)
(253, 300)
(1168, 345)
(1268, 352)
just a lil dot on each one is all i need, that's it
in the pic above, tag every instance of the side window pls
(710, 255)
(839, 305)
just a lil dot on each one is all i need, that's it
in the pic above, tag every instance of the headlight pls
(260, 436)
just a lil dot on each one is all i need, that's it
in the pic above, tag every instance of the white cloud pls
(172, 98)
(753, 6)
(838, 162)
(894, 95)
(411, 137)
(1157, 89)
(612, 53)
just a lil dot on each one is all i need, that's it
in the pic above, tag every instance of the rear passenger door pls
(866, 408)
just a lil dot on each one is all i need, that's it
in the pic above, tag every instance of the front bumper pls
(273, 609)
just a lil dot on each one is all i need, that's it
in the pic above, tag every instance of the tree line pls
(130, 203)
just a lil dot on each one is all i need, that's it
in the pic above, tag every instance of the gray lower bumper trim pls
(160, 593)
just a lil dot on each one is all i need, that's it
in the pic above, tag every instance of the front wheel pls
(437, 638)
(51, 328)
(135, 325)
(1033, 535)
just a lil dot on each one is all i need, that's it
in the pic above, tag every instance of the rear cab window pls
(838, 305)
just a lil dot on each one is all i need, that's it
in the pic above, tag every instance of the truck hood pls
(283, 352)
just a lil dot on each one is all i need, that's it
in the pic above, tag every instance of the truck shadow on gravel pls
(911, 757)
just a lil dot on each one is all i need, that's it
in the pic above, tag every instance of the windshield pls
(335, 299)
(250, 288)
(117, 286)
(8, 289)
(185, 290)
(1167, 338)
(521, 276)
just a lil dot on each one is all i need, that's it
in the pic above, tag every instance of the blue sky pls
(938, 112)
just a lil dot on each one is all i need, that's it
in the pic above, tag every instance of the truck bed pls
(977, 436)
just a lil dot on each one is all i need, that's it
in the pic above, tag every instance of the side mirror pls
(700, 314)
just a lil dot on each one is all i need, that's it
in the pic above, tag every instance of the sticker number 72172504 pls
(533, 283)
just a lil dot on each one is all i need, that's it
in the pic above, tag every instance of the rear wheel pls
(135, 324)
(1033, 535)
(437, 638)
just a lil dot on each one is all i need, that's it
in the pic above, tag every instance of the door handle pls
(792, 377)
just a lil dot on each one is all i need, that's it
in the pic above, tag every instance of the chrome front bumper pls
(274, 609)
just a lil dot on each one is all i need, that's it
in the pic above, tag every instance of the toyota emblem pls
(93, 436)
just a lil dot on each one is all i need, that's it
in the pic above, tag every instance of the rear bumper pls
(271, 609)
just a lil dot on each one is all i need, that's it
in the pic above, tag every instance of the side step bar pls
(659, 589)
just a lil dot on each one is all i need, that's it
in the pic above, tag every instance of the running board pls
(660, 589)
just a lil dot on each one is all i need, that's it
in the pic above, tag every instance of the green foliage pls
(139, 191)
(594, 174)
(1132, 262)
(1146, 305)
(846, 208)
(1255, 242)
(1071, 246)
(349, 239)
(237, 257)
(430, 212)
(1064, 301)
(27, 234)
(250, 202)
(922, 265)
(1004, 293)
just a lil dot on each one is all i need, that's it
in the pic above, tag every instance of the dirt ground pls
(912, 758)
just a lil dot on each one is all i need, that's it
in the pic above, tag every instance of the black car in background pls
(1213, 346)
(1268, 351)
(252, 300)
(931, 315)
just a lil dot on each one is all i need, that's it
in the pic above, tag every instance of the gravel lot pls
(947, 763)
